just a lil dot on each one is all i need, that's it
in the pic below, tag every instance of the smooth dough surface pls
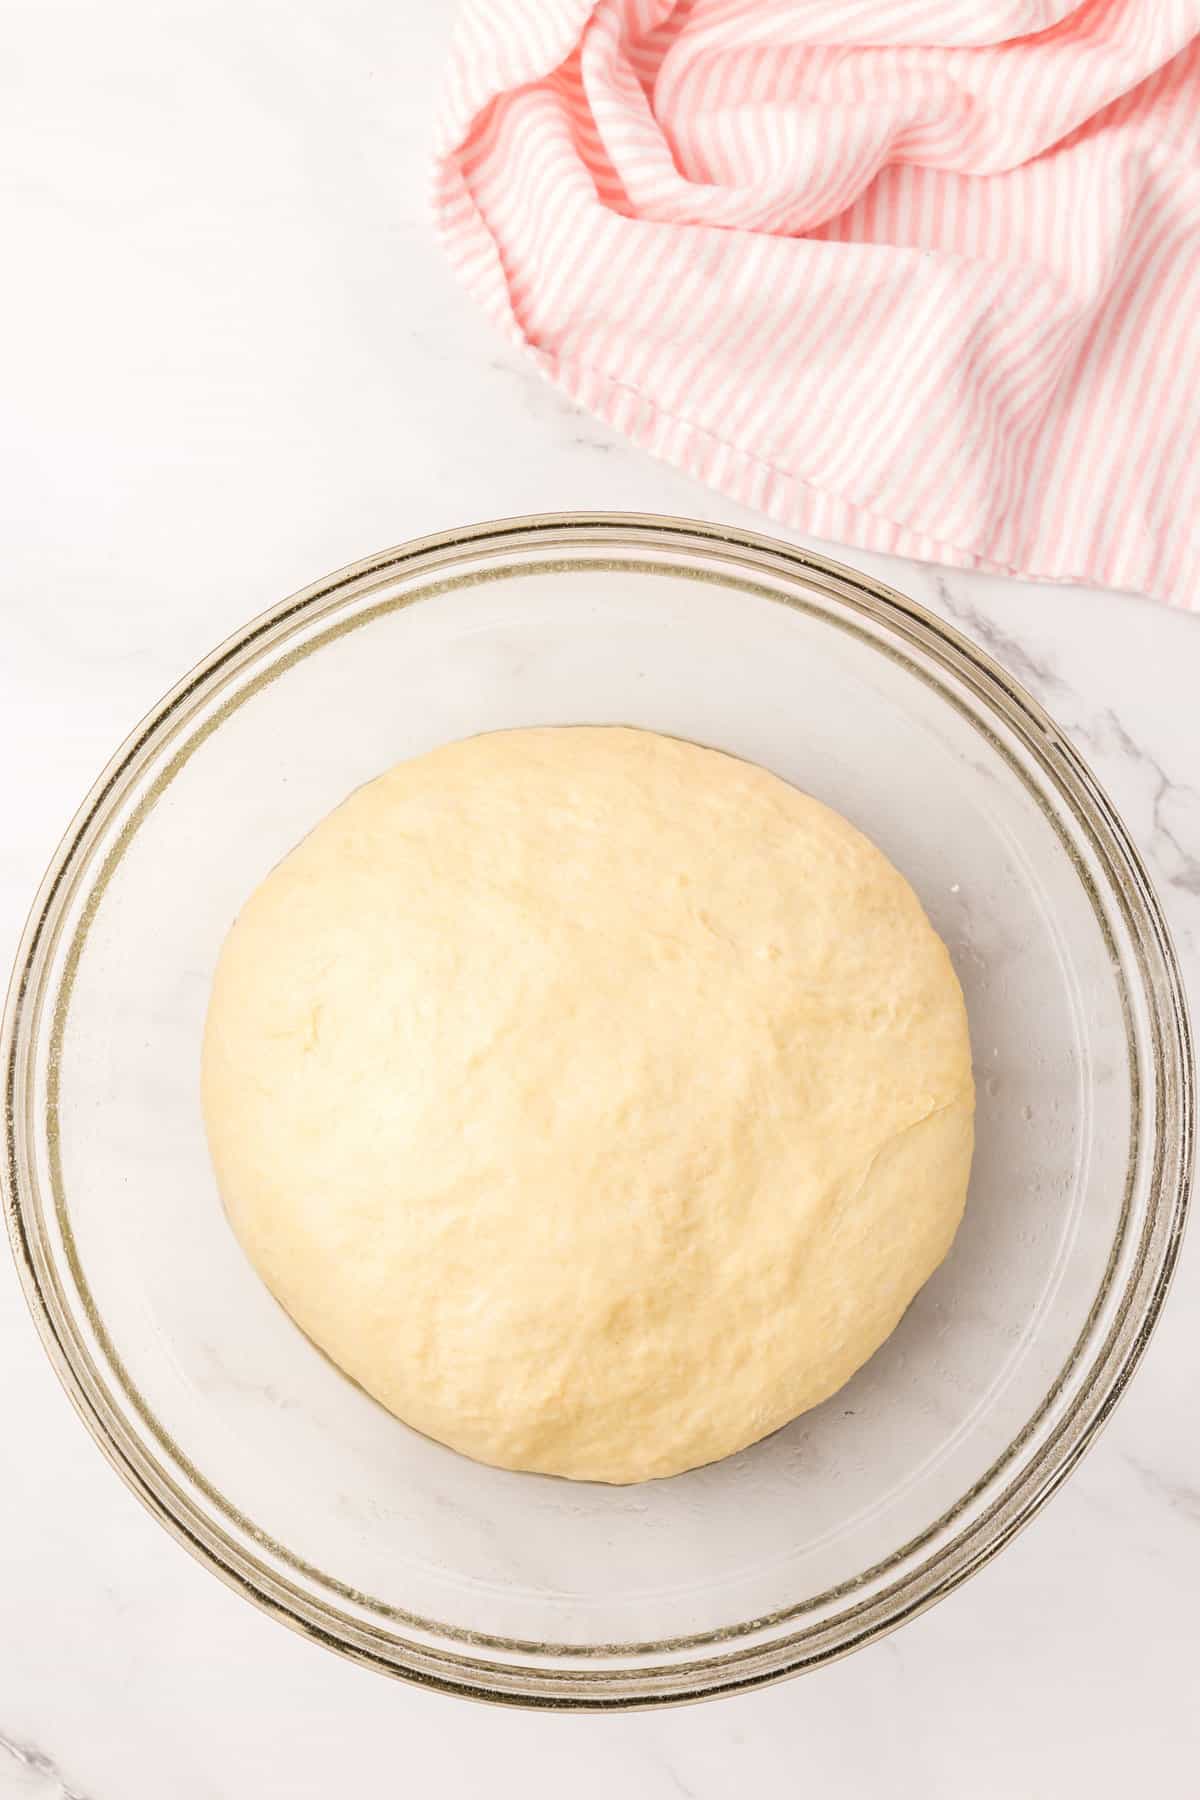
(597, 1101)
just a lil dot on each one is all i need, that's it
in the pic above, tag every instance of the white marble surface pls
(234, 360)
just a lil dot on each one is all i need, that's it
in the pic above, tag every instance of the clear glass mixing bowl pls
(279, 1472)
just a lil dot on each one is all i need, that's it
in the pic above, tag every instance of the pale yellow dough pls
(597, 1101)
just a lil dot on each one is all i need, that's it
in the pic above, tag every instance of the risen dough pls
(597, 1101)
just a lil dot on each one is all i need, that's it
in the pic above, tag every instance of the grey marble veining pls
(1035, 672)
(36, 1772)
(1182, 1496)
(1166, 821)
(1175, 805)
(244, 363)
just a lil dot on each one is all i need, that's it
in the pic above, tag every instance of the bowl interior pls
(257, 1428)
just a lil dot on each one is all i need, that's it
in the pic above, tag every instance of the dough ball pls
(597, 1101)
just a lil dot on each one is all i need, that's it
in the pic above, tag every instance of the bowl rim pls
(645, 1684)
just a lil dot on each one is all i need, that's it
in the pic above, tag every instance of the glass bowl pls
(280, 1473)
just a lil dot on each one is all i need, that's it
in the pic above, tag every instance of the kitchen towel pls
(919, 275)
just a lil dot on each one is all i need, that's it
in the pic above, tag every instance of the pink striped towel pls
(919, 275)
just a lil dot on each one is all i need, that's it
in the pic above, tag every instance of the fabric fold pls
(918, 275)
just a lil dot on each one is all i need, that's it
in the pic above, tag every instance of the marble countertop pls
(235, 360)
